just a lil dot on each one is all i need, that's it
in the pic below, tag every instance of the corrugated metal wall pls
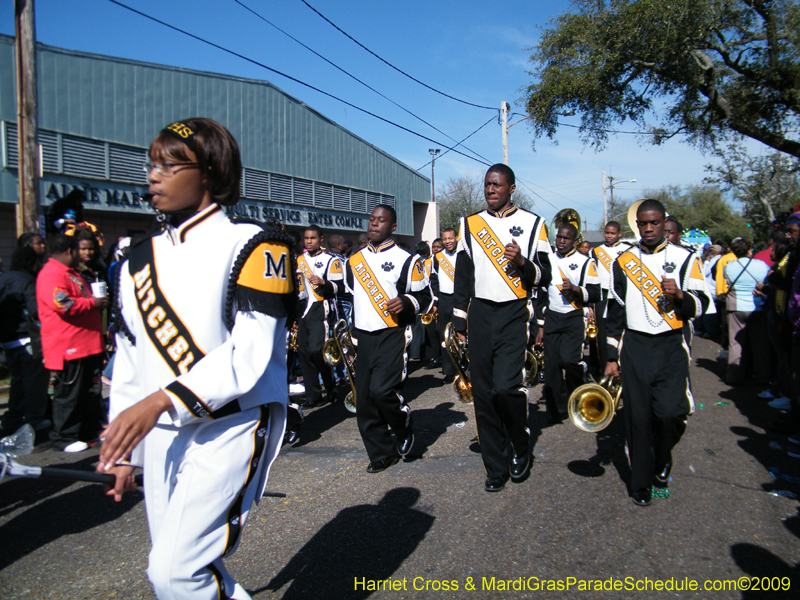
(128, 102)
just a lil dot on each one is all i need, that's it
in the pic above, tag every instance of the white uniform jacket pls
(605, 256)
(579, 270)
(203, 310)
(443, 278)
(323, 265)
(375, 275)
(637, 301)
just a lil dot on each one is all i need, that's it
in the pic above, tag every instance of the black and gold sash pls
(494, 249)
(164, 328)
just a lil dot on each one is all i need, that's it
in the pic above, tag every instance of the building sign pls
(118, 197)
(292, 215)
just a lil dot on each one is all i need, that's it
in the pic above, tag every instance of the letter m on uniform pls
(273, 269)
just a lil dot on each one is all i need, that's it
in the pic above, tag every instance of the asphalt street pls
(427, 526)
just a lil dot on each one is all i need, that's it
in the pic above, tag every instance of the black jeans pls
(77, 401)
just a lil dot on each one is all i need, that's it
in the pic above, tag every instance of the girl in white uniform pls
(199, 389)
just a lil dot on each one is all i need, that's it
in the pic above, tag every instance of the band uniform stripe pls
(490, 244)
(190, 226)
(235, 511)
(220, 581)
(168, 334)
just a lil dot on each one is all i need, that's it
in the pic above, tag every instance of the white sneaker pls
(782, 403)
(76, 447)
(296, 388)
(723, 355)
(766, 395)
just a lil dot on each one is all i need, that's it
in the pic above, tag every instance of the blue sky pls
(469, 49)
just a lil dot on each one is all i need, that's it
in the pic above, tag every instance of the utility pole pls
(433, 152)
(504, 123)
(605, 205)
(28, 161)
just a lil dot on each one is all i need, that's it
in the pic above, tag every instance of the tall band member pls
(605, 255)
(443, 283)
(389, 289)
(574, 285)
(655, 287)
(198, 396)
(503, 254)
(323, 274)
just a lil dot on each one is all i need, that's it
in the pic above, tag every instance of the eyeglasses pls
(166, 169)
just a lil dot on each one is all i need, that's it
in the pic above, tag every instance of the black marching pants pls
(563, 359)
(656, 399)
(498, 334)
(380, 372)
(446, 302)
(598, 354)
(311, 334)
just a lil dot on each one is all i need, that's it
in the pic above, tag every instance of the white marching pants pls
(200, 482)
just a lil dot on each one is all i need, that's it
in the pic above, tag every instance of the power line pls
(243, 5)
(411, 77)
(289, 77)
(600, 129)
(464, 140)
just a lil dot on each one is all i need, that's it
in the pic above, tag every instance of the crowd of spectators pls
(53, 324)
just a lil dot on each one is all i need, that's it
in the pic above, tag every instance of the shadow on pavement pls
(367, 542)
(610, 451)
(55, 513)
(431, 423)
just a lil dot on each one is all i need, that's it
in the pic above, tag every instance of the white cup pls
(99, 289)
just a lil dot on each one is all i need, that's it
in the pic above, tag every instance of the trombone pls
(339, 347)
(592, 406)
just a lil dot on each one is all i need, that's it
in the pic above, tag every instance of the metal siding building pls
(98, 115)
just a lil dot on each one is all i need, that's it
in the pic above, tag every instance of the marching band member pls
(324, 275)
(564, 329)
(605, 255)
(655, 288)
(443, 284)
(389, 289)
(503, 255)
(198, 396)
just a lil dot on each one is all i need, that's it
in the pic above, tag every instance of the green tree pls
(711, 69)
(703, 208)
(767, 186)
(461, 196)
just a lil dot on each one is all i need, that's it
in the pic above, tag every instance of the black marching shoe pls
(404, 445)
(406, 440)
(641, 497)
(662, 475)
(520, 466)
(495, 484)
(382, 464)
(290, 437)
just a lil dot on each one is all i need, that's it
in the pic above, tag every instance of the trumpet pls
(592, 406)
(591, 328)
(293, 344)
(429, 317)
(459, 352)
(339, 347)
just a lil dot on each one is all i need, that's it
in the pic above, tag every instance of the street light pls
(612, 181)
(433, 152)
(504, 118)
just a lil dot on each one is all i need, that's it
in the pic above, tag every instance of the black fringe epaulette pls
(242, 299)
(118, 324)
